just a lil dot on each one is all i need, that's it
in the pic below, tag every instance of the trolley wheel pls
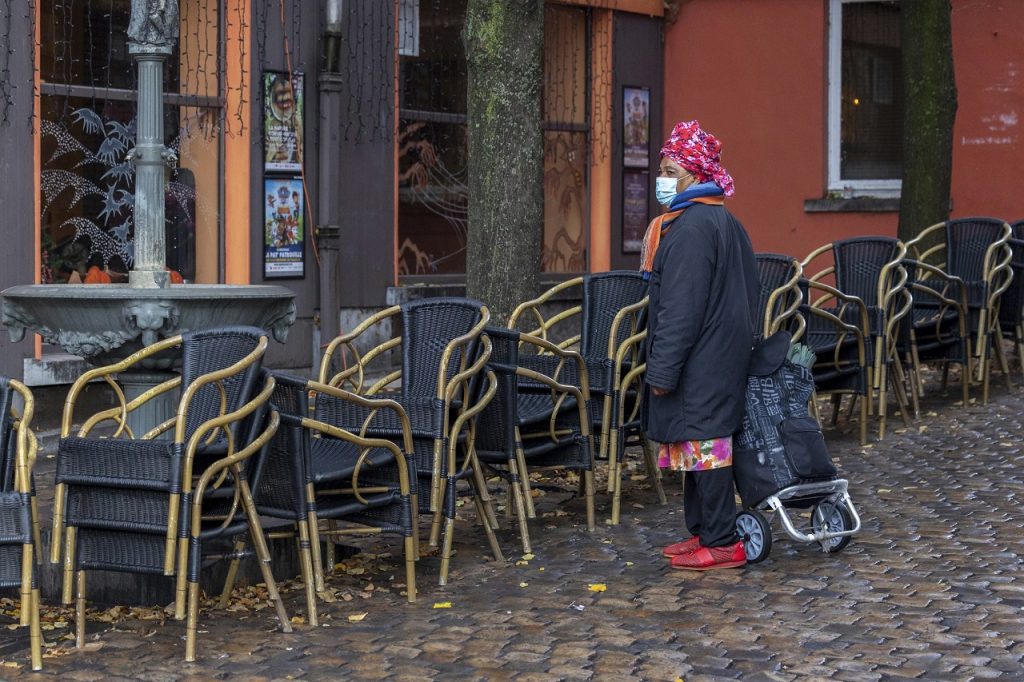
(756, 534)
(833, 517)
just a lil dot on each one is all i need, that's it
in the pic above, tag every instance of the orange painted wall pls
(754, 74)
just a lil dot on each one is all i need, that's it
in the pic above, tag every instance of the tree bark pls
(929, 87)
(504, 51)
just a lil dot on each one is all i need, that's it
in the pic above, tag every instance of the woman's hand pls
(659, 391)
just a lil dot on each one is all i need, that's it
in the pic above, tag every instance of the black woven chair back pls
(8, 436)
(281, 486)
(1012, 302)
(859, 262)
(428, 327)
(967, 240)
(604, 295)
(495, 426)
(210, 350)
(773, 271)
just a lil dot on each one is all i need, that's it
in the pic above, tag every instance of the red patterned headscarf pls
(700, 153)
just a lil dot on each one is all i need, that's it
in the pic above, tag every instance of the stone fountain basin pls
(105, 323)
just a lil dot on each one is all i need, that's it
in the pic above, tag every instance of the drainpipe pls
(330, 83)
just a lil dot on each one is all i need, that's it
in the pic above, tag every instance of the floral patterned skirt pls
(696, 455)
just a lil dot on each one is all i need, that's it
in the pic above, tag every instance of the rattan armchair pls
(19, 524)
(976, 250)
(606, 328)
(535, 421)
(871, 269)
(315, 471)
(139, 503)
(443, 356)
(779, 296)
(1011, 308)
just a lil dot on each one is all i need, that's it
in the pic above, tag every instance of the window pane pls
(87, 188)
(434, 79)
(565, 64)
(432, 198)
(872, 92)
(565, 197)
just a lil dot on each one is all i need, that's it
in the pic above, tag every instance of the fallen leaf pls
(298, 620)
(356, 617)
(442, 605)
(597, 587)
(629, 563)
(524, 584)
(527, 557)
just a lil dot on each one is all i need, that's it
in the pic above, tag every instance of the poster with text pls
(282, 122)
(283, 228)
(634, 209)
(636, 107)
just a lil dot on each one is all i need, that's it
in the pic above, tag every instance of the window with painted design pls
(87, 128)
(865, 98)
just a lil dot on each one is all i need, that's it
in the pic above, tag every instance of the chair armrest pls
(373, 405)
(532, 309)
(630, 312)
(846, 299)
(106, 373)
(567, 356)
(346, 343)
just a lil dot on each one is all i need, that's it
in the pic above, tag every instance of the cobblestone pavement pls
(932, 589)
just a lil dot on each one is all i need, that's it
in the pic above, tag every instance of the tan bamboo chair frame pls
(997, 275)
(447, 391)
(895, 302)
(27, 449)
(309, 531)
(789, 313)
(529, 312)
(522, 496)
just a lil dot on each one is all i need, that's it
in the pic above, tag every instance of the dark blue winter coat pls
(703, 296)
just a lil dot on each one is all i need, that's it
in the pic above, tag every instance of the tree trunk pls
(929, 88)
(504, 51)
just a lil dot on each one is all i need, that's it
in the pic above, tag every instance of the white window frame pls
(846, 187)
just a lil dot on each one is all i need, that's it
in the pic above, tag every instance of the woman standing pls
(703, 295)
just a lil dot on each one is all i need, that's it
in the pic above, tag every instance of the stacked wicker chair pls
(443, 355)
(317, 472)
(535, 421)
(779, 297)
(870, 270)
(1011, 308)
(139, 503)
(610, 321)
(975, 251)
(19, 526)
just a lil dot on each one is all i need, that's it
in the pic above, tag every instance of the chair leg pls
(37, 540)
(306, 564)
(414, 506)
(330, 558)
(435, 525)
(517, 495)
(652, 469)
(524, 478)
(837, 402)
(883, 403)
(181, 580)
(915, 359)
(1004, 365)
(485, 496)
(492, 539)
(313, 523)
(1018, 340)
(410, 568)
(192, 622)
(229, 582)
(446, 550)
(59, 497)
(945, 375)
(864, 419)
(588, 483)
(605, 447)
(80, 609)
(263, 559)
(898, 377)
(27, 560)
(68, 590)
(35, 634)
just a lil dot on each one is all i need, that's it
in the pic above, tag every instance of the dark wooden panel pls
(638, 57)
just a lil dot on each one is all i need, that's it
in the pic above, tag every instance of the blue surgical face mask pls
(665, 190)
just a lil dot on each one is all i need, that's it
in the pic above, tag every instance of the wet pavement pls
(931, 589)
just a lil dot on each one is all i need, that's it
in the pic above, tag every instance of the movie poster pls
(636, 107)
(283, 228)
(634, 209)
(283, 110)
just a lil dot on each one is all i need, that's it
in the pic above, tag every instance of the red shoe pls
(684, 547)
(709, 558)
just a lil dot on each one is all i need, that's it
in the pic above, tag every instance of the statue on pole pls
(154, 22)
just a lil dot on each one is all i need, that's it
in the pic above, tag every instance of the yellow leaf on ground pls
(597, 587)
(524, 584)
(527, 557)
(298, 620)
(629, 563)
(356, 617)
(442, 605)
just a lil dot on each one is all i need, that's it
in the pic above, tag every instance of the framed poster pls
(284, 247)
(634, 209)
(283, 109)
(636, 131)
